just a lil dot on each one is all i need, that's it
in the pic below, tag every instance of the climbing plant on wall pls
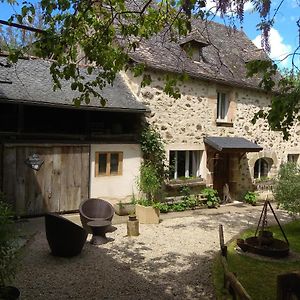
(154, 164)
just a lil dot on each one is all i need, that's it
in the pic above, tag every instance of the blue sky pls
(284, 36)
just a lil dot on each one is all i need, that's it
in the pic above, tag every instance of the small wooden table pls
(99, 229)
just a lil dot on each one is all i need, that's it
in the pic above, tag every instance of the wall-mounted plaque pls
(34, 162)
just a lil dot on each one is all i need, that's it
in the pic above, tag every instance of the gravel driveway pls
(171, 260)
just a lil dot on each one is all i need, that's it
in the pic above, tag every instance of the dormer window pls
(194, 48)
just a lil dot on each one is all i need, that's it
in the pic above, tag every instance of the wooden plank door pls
(221, 173)
(74, 177)
(60, 184)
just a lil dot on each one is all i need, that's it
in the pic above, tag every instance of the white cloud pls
(248, 6)
(211, 4)
(279, 50)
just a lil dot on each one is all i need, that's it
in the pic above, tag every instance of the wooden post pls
(288, 286)
(230, 280)
(222, 244)
(133, 226)
(232, 284)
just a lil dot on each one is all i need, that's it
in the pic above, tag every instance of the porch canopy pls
(231, 144)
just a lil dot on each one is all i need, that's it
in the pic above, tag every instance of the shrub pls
(251, 198)
(163, 207)
(179, 206)
(7, 245)
(287, 188)
(153, 151)
(211, 195)
(191, 201)
(149, 181)
(153, 170)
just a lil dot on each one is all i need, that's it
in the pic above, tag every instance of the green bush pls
(149, 181)
(144, 202)
(191, 201)
(7, 244)
(153, 150)
(163, 207)
(179, 206)
(188, 202)
(287, 188)
(211, 195)
(251, 198)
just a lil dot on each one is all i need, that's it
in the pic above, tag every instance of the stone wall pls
(187, 120)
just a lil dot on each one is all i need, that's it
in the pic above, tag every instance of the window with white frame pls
(222, 106)
(184, 163)
(293, 158)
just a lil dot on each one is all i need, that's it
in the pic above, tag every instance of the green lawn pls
(258, 276)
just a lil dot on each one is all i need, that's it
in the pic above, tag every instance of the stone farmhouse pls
(53, 154)
(208, 131)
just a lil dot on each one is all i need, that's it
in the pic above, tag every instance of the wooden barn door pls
(60, 184)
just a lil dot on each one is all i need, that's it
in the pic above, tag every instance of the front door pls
(221, 172)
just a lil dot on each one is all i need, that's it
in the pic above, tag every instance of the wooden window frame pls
(108, 165)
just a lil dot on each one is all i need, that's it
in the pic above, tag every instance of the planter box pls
(174, 183)
(195, 185)
(124, 209)
(147, 214)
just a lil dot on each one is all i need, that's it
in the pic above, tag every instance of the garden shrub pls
(149, 181)
(7, 244)
(250, 198)
(211, 195)
(287, 188)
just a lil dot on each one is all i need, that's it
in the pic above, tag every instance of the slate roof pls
(232, 144)
(224, 57)
(29, 81)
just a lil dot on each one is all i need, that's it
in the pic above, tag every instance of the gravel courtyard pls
(171, 260)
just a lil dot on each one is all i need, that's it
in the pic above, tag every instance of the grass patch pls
(258, 277)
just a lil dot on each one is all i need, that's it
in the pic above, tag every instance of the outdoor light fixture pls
(34, 162)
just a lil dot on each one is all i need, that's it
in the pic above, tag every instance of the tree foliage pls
(13, 38)
(104, 33)
(7, 246)
(283, 112)
(287, 188)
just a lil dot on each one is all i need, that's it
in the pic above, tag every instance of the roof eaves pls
(207, 78)
(73, 106)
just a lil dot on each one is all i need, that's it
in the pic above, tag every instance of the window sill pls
(224, 123)
(104, 175)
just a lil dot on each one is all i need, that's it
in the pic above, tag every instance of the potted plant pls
(7, 252)
(124, 208)
(149, 184)
(153, 172)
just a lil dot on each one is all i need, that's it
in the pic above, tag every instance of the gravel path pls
(171, 260)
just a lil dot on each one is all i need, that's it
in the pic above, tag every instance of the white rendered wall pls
(117, 187)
